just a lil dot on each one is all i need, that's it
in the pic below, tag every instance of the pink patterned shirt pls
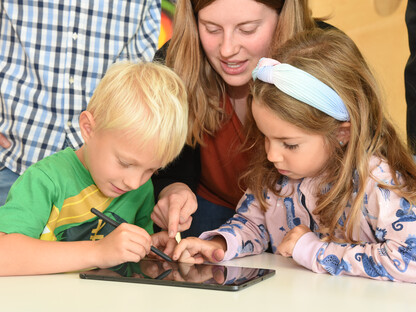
(387, 228)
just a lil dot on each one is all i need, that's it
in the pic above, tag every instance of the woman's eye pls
(248, 31)
(212, 29)
(291, 146)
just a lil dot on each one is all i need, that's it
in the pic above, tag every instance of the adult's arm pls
(175, 186)
(186, 168)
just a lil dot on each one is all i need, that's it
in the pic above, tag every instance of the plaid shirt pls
(52, 56)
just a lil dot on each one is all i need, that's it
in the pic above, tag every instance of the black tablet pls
(160, 272)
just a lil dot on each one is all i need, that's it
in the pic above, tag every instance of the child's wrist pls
(220, 242)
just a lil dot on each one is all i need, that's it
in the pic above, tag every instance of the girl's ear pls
(87, 125)
(343, 135)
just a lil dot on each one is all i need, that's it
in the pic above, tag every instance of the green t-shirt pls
(53, 198)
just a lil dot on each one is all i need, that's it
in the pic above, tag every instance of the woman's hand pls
(174, 209)
(163, 242)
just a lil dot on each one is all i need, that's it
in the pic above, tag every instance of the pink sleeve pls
(387, 232)
(306, 249)
(230, 239)
(246, 232)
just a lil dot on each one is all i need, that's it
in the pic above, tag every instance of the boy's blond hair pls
(148, 100)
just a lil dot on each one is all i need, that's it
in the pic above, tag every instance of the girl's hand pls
(174, 208)
(186, 272)
(289, 241)
(195, 250)
(163, 242)
(127, 243)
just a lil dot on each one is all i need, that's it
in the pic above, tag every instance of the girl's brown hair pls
(205, 87)
(332, 57)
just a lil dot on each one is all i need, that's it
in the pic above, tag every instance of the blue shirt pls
(52, 56)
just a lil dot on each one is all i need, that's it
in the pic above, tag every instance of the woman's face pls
(235, 34)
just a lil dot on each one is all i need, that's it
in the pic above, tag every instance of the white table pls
(293, 288)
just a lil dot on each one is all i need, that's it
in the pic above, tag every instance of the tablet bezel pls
(109, 276)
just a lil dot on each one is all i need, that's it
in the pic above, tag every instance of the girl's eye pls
(291, 147)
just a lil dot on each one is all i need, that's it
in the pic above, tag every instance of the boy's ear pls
(344, 133)
(87, 125)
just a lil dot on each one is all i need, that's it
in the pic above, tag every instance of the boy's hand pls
(289, 241)
(164, 243)
(195, 250)
(174, 209)
(127, 243)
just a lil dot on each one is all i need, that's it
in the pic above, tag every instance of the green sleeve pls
(28, 204)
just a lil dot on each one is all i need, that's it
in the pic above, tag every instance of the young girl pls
(332, 184)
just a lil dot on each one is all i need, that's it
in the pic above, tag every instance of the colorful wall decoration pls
(168, 10)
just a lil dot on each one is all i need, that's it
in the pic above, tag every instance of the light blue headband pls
(301, 86)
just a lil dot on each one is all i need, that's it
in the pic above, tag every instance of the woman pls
(215, 46)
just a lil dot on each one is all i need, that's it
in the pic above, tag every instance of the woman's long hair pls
(206, 89)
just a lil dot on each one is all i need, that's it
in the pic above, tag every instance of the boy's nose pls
(134, 182)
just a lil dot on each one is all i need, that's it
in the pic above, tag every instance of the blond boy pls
(135, 123)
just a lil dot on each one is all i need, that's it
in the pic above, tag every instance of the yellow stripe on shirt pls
(76, 209)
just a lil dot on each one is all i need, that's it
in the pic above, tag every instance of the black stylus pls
(110, 221)
(164, 274)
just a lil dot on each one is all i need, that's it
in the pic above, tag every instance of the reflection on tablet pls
(155, 271)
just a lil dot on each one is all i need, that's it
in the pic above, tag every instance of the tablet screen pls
(160, 272)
